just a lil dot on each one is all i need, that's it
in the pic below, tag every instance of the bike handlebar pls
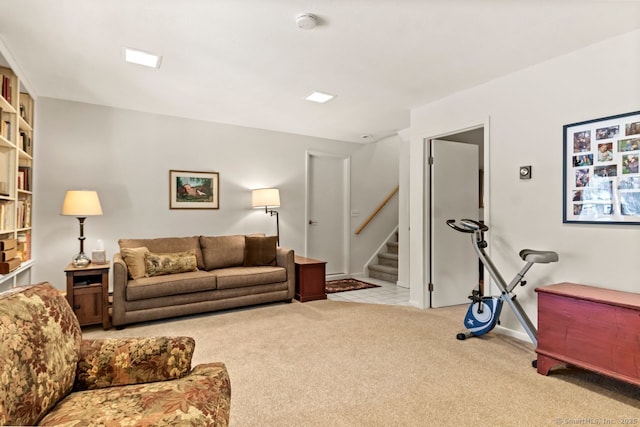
(469, 225)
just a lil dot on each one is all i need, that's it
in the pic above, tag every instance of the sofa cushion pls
(166, 245)
(222, 251)
(201, 398)
(170, 263)
(260, 250)
(239, 277)
(134, 258)
(175, 284)
(39, 353)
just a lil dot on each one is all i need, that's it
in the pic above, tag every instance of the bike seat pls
(541, 257)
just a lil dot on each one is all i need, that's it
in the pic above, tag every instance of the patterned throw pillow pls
(170, 263)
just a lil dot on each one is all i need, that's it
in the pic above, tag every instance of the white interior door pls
(454, 195)
(327, 233)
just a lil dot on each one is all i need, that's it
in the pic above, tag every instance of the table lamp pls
(81, 204)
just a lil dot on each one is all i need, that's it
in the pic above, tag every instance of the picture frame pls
(194, 190)
(601, 178)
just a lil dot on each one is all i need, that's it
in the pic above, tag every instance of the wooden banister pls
(378, 209)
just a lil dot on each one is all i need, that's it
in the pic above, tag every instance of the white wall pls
(526, 111)
(126, 156)
(403, 209)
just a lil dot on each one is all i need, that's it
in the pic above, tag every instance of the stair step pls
(388, 259)
(384, 272)
(392, 247)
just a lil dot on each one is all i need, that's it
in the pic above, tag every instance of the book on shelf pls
(24, 213)
(27, 214)
(5, 129)
(5, 217)
(25, 171)
(8, 254)
(10, 265)
(6, 88)
(6, 244)
(25, 142)
(24, 245)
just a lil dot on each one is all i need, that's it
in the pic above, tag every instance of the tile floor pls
(387, 293)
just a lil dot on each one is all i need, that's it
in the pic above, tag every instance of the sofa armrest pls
(285, 258)
(120, 281)
(123, 361)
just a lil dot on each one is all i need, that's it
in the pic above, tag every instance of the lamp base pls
(80, 260)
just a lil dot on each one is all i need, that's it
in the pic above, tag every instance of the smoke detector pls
(306, 21)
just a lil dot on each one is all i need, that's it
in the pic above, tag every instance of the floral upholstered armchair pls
(49, 375)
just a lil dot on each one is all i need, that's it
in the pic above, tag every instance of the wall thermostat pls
(525, 172)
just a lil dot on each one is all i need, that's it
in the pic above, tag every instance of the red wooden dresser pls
(593, 328)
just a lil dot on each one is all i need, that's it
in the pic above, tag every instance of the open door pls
(454, 195)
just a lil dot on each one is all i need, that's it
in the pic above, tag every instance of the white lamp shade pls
(265, 198)
(81, 203)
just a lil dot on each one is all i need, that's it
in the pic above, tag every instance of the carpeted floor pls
(344, 285)
(328, 363)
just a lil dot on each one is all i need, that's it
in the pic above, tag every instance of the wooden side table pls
(88, 293)
(310, 279)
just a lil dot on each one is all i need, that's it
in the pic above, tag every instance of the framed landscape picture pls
(601, 175)
(194, 190)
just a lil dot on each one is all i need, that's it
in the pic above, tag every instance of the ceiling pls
(245, 62)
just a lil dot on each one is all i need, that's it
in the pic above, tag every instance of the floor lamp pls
(268, 198)
(81, 204)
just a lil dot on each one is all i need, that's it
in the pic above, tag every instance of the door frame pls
(346, 191)
(425, 296)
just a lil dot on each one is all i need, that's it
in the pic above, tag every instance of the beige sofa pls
(52, 376)
(175, 276)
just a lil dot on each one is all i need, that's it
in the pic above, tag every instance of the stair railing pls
(377, 211)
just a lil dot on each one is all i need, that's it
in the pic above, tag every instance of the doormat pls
(344, 285)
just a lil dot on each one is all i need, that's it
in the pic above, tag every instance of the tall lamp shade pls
(81, 204)
(269, 199)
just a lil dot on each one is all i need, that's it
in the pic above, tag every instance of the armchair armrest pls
(123, 361)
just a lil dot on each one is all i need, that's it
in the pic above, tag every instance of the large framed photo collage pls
(601, 175)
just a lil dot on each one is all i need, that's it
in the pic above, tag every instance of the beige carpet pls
(329, 363)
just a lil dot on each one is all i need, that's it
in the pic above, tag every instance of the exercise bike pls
(484, 312)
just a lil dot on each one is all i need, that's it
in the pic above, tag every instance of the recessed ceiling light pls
(320, 97)
(139, 57)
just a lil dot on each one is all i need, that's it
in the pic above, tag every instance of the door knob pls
(312, 222)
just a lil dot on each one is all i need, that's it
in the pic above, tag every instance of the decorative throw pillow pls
(260, 250)
(134, 258)
(170, 263)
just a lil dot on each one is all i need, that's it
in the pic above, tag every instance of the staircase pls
(387, 267)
